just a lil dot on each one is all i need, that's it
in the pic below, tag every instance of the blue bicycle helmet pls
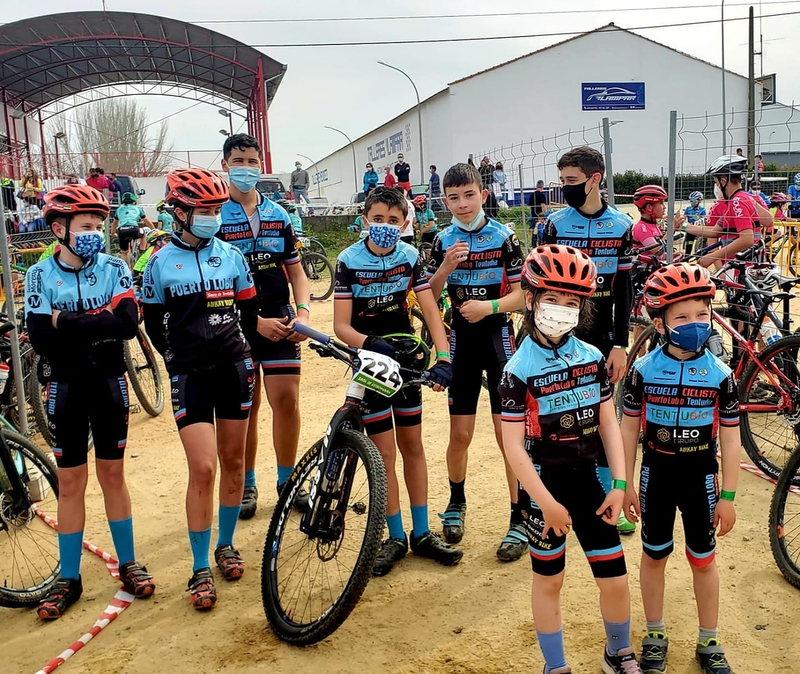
(696, 197)
(797, 179)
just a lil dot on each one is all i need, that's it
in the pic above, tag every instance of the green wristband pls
(619, 484)
(300, 305)
(727, 495)
(495, 306)
(442, 354)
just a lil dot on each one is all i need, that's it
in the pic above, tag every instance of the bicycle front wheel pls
(311, 584)
(319, 271)
(784, 520)
(648, 340)
(29, 559)
(769, 406)
(143, 372)
(315, 246)
(37, 397)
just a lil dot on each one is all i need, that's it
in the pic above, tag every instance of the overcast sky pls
(346, 88)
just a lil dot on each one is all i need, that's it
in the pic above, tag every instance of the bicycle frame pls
(20, 500)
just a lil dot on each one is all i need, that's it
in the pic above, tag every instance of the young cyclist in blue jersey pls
(165, 219)
(370, 311)
(127, 223)
(199, 306)
(794, 197)
(558, 417)
(683, 399)
(480, 261)
(263, 232)
(694, 212)
(425, 219)
(604, 233)
(80, 307)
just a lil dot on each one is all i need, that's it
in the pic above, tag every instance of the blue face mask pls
(690, 336)
(205, 226)
(383, 235)
(244, 178)
(477, 223)
(88, 244)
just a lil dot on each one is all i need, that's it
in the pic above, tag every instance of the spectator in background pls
(72, 179)
(31, 185)
(487, 178)
(402, 172)
(755, 190)
(407, 228)
(537, 201)
(759, 164)
(7, 187)
(165, 218)
(107, 186)
(30, 217)
(299, 183)
(739, 152)
(499, 177)
(370, 179)
(116, 188)
(435, 189)
(389, 179)
(96, 180)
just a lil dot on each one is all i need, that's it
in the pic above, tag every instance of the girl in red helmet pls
(199, 307)
(647, 233)
(684, 401)
(557, 416)
(80, 307)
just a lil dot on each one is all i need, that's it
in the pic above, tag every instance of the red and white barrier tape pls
(117, 605)
(757, 471)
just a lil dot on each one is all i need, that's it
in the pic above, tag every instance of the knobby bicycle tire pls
(768, 459)
(36, 397)
(314, 246)
(136, 373)
(315, 266)
(305, 634)
(782, 499)
(647, 340)
(31, 596)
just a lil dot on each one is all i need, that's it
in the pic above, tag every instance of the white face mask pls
(718, 192)
(555, 321)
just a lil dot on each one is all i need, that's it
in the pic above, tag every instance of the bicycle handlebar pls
(7, 327)
(309, 332)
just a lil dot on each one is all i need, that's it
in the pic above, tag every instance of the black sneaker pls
(453, 521)
(623, 662)
(514, 545)
(64, 593)
(432, 546)
(712, 658)
(249, 503)
(300, 499)
(654, 653)
(392, 551)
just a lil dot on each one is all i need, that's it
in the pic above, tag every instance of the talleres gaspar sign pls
(612, 96)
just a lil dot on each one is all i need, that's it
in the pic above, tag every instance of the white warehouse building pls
(609, 72)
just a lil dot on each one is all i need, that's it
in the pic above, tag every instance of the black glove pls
(378, 345)
(441, 373)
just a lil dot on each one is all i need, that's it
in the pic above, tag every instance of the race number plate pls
(378, 373)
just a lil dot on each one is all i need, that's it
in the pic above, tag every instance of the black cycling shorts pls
(73, 408)
(281, 357)
(667, 485)
(429, 237)
(126, 235)
(223, 392)
(405, 406)
(474, 350)
(577, 488)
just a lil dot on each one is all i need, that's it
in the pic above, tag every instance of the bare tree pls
(114, 134)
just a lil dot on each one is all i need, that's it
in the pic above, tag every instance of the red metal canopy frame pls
(47, 59)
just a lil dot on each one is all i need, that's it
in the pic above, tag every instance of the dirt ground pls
(422, 617)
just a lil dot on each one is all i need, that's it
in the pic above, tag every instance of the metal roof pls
(48, 58)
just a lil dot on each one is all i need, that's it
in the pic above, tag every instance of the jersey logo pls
(663, 435)
(178, 266)
(92, 279)
(214, 261)
(35, 301)
(125, 282)
(59, 283)
(149, 293)
(567, 421)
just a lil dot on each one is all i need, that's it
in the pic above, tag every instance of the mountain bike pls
(317, 564)
(319, 271)
(784, 520)
(143, 372)
(312, 244)
(29, 558)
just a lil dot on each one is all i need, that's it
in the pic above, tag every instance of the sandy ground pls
(422, 617)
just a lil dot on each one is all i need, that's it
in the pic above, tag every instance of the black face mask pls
(575, 195)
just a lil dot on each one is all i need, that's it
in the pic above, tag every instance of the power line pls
(485, 16)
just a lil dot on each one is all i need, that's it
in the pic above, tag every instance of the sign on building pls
(612, 95)
(386, 147)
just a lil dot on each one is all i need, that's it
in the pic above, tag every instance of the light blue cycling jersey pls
(694, 214)
(128, 215)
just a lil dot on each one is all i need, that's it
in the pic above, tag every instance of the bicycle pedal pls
(135, 409)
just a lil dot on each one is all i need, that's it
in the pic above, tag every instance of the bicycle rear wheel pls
(314, 246)
(37, 397)
(784, 521)
(143, 372)
(29, 559)
(319, 271)
(309, 586)
(769, 415)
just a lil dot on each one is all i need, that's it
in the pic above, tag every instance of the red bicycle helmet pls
(676, 282)
(420, 200)
(779, 198)
(196, 188)
(561, 268)
(74, 199)
(649, 194)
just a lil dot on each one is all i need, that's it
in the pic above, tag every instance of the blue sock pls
(419, 518)
(228, 517)
(70, 547)
(552, 646)
(395, 523)
(200, 542)
(604, 475)
(284, 473)
(618, 636)
(250, 478)
(122, 534)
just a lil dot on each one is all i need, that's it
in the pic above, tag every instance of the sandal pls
(136, 580)
(229, 562)
(201, 585)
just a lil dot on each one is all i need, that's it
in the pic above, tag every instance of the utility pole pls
(751, 91)
(724, 97)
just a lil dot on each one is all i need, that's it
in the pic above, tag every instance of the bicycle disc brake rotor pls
(328, 549)
(12, 518)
